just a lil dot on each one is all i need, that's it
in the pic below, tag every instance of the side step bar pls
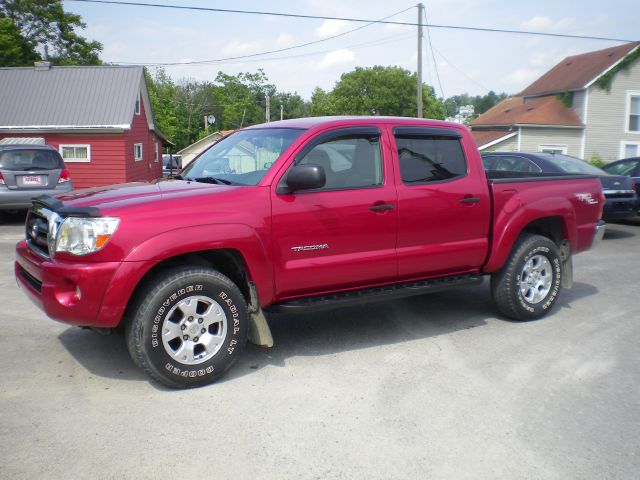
(375, 294)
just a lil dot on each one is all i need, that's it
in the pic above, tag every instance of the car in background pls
(28, 171)
(629, 167)
(171, 164)
(619, 191)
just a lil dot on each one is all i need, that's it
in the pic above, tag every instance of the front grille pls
(30, 279)
(37, 230)
(620, 195)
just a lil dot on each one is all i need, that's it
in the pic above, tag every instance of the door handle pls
(470, 200)
(377, 208)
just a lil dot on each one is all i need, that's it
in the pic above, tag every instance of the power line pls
(461, 71)
(357, 46)
(348, 19)
(435, 64)
(239, 57)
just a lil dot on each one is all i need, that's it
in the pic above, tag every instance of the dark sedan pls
(621, 198)
(629, 167)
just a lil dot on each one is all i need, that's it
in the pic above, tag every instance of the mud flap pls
(259, 331)
(567, 264)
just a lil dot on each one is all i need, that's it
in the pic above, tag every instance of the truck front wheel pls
(529, 284)
(188, 326)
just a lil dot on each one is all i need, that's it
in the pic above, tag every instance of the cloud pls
(522, 75)
(331, 27)
(284, 40)
(540, 59)
(336, 57)
(540, 23)
(236, 47)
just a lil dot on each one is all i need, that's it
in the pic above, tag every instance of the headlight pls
(81, 236)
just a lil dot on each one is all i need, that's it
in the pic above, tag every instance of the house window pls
(137, 151)
(155, 145)
(75, 153)
(552, 149)
(633, 112)
(630, 149)
(137, 109)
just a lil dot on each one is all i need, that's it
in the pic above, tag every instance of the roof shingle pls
(483, 137)
(576, 72)
(535, 111)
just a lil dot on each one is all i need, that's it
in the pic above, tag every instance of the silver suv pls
(27, 171)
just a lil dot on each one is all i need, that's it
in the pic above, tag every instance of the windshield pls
(242, 158)
(25, 159)
(573, 165)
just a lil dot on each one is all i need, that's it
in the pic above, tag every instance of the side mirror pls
(305, 177)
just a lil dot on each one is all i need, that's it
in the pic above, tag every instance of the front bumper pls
(67, 292)
(619, 208)
(78, 293)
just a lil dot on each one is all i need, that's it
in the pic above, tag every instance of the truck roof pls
(311, 122)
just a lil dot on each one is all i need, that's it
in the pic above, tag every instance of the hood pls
(135, 192)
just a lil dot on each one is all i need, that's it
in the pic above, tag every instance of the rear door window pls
(513, 163)
(29, 160)
(427, 155)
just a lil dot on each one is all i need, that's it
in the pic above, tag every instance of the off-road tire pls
(528, 285)
(165, 338)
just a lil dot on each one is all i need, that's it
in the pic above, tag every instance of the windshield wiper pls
(216, 180)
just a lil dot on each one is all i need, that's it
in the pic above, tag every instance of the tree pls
(376, 91)
(15, 51)
(293, 106)
(162, 92)
(481, 103)
(45, 25)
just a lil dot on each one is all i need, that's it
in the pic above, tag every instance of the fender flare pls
(512, 220)
(177, 242)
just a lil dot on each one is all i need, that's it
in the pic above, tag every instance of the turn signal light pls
(1, 179)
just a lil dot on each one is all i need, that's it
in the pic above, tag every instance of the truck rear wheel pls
(529, 284)
(188, 327)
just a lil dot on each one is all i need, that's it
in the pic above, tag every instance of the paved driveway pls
(436, 387)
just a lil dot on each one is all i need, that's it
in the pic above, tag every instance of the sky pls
(455, 61)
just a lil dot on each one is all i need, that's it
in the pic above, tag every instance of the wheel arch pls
(241, 252)
(555, 227)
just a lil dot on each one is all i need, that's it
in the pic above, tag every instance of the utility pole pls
(267, 109)
(419, 86)
(281, 111)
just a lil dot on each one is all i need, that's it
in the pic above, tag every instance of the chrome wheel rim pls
(194, 330)
(535, 279)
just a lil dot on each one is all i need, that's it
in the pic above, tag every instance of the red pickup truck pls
(299, 215)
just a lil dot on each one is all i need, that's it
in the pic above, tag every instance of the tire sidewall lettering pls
(555, 287)
(230, 345)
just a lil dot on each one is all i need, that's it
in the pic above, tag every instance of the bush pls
(596, 160)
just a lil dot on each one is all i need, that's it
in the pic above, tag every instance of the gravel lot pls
(436, 387)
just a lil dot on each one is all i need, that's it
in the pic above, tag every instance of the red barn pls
(98, 117)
